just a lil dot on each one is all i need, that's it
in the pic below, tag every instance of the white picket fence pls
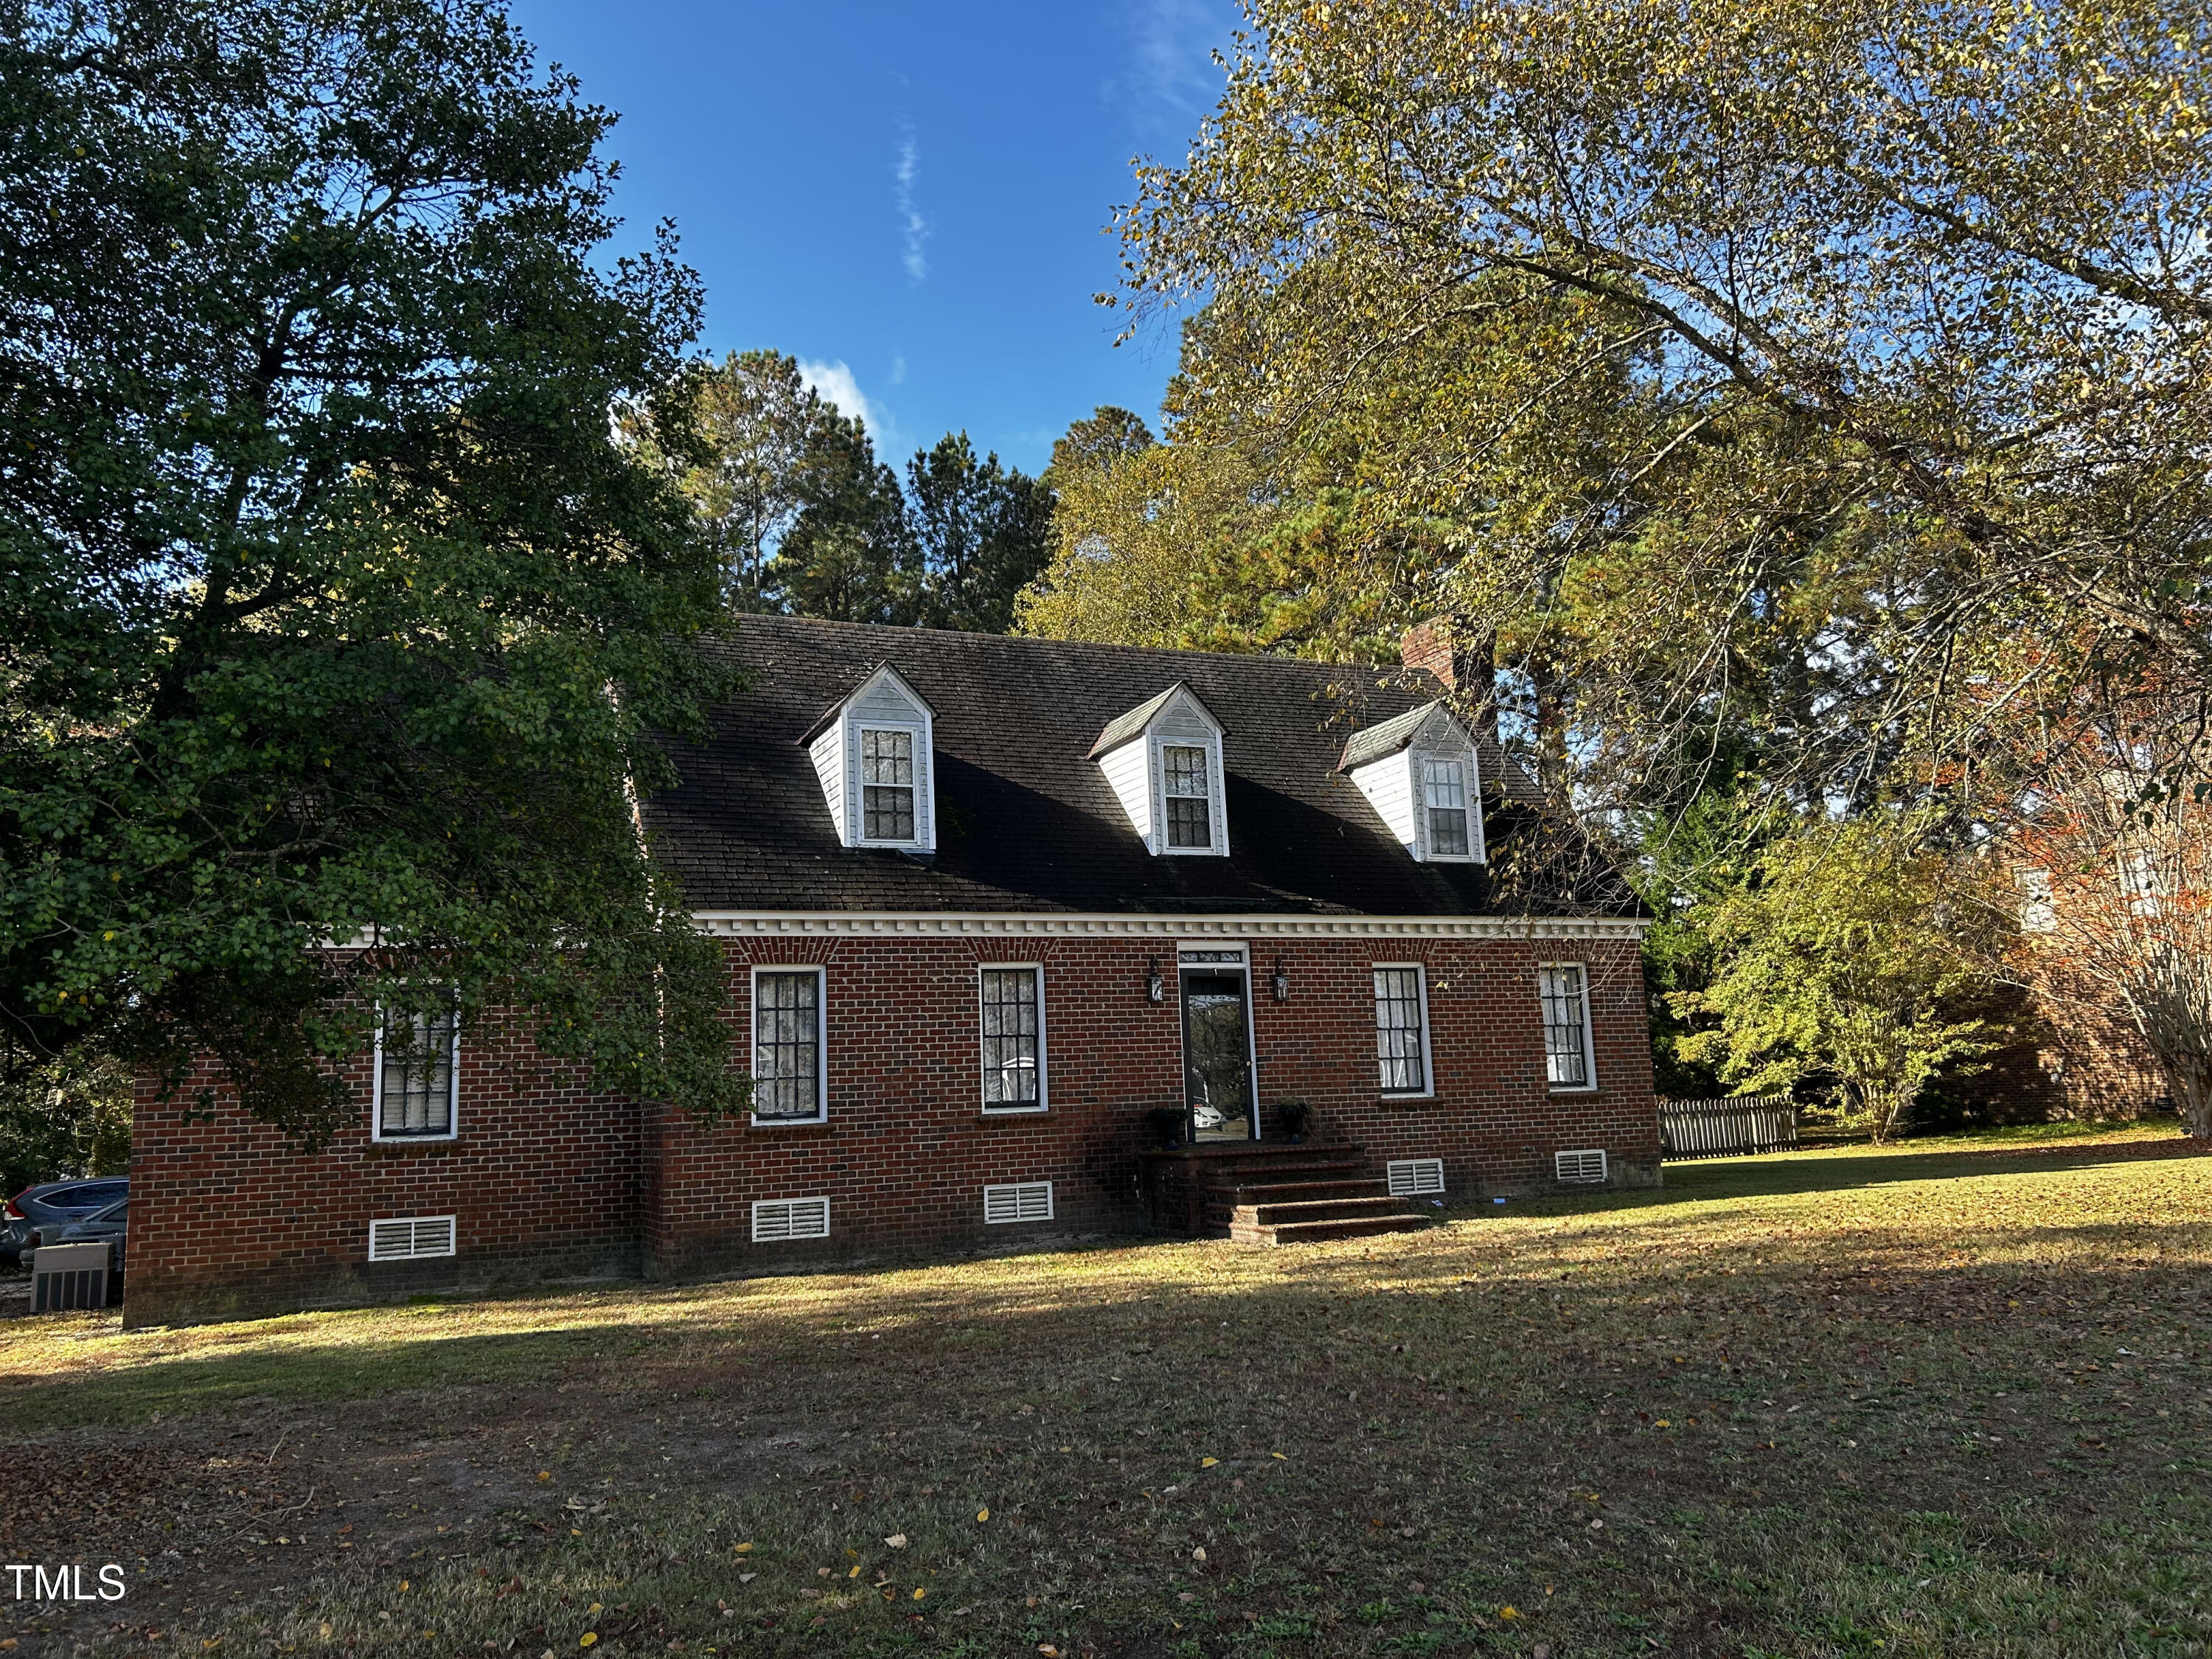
(1723, 1129)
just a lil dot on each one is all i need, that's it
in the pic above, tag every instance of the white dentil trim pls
(1166, 928)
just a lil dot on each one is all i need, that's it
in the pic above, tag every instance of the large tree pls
(983, 532)
(1880, 328)
(335, 615)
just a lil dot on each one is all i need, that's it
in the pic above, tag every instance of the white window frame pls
(821, 1038)
(1428, 1089)
(1470, 806)
(1017, 1187)
(918, 739)
(1019, 1109)
(413, 1223)
(1589, 1032)
(376, 1089)
(1216, 841)
(786, 1205)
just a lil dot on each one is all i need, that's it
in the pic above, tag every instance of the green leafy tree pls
(1875, 332)
(982, 531)
(336, 613)
(68, 1117)
(1837, 962)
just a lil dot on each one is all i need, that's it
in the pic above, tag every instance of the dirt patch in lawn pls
(1929, 1401)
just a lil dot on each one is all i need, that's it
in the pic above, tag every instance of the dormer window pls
(1420, 773)
(886, 784)
(1190, 810)
(1164, 761)
(872, 753)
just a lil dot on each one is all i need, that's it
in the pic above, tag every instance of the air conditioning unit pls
(1024, 1201)
(1415, 1177)
(67, 1276)
(776, 1219)
(1583, 1168)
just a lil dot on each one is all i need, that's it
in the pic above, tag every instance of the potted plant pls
(1168, 1124)
(1295, 1116)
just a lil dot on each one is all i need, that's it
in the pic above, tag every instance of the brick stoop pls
(1273, 1192)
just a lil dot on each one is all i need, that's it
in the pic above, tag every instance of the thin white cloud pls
(1170, 80)
(898, 370)
(835, 381)
(911, 226)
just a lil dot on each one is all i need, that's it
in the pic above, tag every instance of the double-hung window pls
(1402, 1031)
(1013, 1039)
(1190, 812)
(886, 784)
(788, 1047)
(418, 1075)
(1564, 992)
(1443, 798)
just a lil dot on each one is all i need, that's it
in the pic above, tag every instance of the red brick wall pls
(547, 1179)
(230, 1218)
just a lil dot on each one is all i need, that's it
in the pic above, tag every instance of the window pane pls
(1566, 1045)
(416, 1092)
(787, 1033)
(1010, 1036)
(1185, 770)
(890, 812)
(887, 757)
(1443, 783)
(1447, 831)
(1190, 823)
(1398, 1030)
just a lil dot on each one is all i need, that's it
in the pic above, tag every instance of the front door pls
(1217, 1055)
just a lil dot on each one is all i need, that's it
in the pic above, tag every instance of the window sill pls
(1405, 1100)
(777, 1125)
(1024, 1115)
(1571, 1089)
(407, 1146)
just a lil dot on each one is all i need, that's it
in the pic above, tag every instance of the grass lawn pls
(1948, 1398)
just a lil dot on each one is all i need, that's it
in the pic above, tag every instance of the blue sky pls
(910, 198)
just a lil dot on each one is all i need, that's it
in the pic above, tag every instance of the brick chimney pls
(1456, 653)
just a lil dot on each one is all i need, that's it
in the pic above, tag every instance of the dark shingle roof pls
(1026, 819)
(1365, 747)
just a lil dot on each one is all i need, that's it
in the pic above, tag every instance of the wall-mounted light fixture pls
(1281, 984)
(1156, 988)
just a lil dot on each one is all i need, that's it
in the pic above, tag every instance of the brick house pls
(999, 914)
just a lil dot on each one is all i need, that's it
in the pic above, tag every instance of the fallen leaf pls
(1199, 1554)
(919, 1592)
(588, 1639)
(1509, 1612)
(739, 1549)
(856, 1573)
(747, 1577)
(1207, 1462)
(544, 1474)
(897, 1540)
(983, 1515)
(1278, 1458)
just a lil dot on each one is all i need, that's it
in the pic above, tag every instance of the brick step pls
(1317, 1232)
(1325, 1209)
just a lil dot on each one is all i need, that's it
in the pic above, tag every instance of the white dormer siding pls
(874, 754)
(1163, 760)
(1420, 773)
